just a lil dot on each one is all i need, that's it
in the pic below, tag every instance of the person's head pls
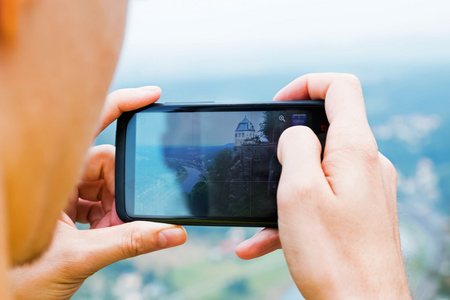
(57, 59)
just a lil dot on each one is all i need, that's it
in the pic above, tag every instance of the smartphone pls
(206, 163)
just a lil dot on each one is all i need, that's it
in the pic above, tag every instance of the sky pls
(177, 129)
(177, 39)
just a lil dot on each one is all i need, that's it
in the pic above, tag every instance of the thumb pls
(302, 181)
(299, 153)
(105, 246)
(299, 150)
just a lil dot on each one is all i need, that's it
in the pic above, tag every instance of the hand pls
(76, 254)
(337, 218)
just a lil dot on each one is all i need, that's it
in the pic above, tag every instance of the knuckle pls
(351, 80)
(110, 149)
(365, 148)
(369, 150)
(291, 192)
(388, 168)
(106, 151)
(133, 243)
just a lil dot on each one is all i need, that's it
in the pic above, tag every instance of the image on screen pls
(209, 164)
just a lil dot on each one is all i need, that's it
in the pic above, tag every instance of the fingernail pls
(171, 237)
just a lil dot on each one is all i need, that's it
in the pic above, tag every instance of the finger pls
(342, 92)
(71, 207)
(344, 102)
(350, 146)
(95, 197)
(91, 190)
(98, 173)
(303, 191)
(299, 153)
(115, 220)
(302, 180)
(96, 184)
(89, 212)
(102, 247)
(126, 100)
(262, 243)
(94, 214)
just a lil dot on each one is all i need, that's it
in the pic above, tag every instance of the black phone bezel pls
(319, 121)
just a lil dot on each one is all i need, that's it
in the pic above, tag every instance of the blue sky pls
(215, 128)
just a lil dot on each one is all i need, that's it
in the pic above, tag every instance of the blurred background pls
(246, 51)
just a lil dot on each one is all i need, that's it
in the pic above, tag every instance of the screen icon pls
(299, 119)
(281, 118)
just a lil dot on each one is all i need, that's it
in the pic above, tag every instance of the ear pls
(8, 20)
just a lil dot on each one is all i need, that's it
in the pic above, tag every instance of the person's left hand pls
(74, 254)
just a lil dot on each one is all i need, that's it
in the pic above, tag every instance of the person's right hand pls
(337, 218)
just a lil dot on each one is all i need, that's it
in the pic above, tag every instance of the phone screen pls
(206, 164)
